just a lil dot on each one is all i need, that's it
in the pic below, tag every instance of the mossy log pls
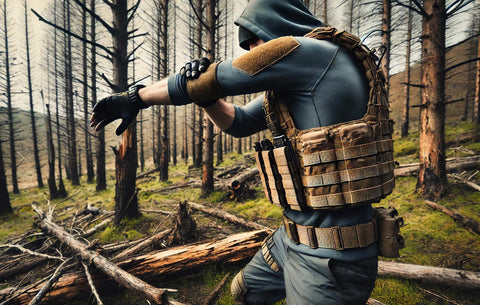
(155, 265)
(463, 220)
(432, 275)
(229, 217)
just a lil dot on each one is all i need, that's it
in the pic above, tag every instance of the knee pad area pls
(239, 287)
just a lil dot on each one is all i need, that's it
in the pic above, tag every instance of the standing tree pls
(476, 110)
(386, 40)
(36, 152)
(406, 103)
(432, 178)
(52, 186)
(5, 206)
(8, 93)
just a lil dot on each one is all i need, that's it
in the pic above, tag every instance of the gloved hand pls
(122, 105)
(193, 69)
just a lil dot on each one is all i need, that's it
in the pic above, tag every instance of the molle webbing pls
(345, 164)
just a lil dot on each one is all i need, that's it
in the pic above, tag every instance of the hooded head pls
(270, 19)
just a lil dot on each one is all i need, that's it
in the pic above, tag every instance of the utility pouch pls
(261, 170)
(388, 224)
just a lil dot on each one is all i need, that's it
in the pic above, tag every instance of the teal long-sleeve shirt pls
(321, 84)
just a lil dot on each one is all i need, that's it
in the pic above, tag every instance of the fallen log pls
(463, 138)
(229, 217)
(453, 164)
(463, 220)
(465, 181)
(244, 177)
(175, 187)
(21, 267)
(142, 245)
(120, 276)
(155, 265)
(142, 175)
(431, 275)
(97, 227)
(228, 171)
(213, 295)
(374, 302)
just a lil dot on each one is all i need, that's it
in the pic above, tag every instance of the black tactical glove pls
(124, 105)
(193, 69)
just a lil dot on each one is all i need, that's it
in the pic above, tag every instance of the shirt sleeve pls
(279, 64)
(249, 119)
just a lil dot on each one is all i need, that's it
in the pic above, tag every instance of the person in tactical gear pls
(326, 251)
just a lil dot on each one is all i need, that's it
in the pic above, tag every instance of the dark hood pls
(270, 19)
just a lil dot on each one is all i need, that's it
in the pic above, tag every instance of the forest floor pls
(432, 238)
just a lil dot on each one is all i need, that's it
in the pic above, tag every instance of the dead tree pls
(406, 104)
(386, 40)
(432, 178)
(185, 228)
(87, 139)
(52, 186)
(476, 110)
(36, 153)
(8, 93)
(5, 206)
(207, 162)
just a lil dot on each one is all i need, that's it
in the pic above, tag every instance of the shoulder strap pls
(278, 118)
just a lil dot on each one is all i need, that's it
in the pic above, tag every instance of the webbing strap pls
(347, 153)
(352, 174)
(263, 176)
(338, 238)
(338, 200)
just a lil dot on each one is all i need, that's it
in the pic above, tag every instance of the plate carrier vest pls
(330, 167)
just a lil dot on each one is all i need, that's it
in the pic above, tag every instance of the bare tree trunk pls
(88, 146)
(8, 91)
(72, 141)
(219, 146)
(52, 186)
(432, 178)
(5, 207)
(62, 192)
(101, 175)
(406, 104)
(476, 109)
(126, 204)
(386, 33)
(325, 14)
(200, 121)
(207, 172)
(164, 158)
(185, 135)
(36, 155)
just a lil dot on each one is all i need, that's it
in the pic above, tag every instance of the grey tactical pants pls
(303, 279)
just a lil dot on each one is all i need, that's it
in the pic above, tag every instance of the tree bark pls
(406, 103)
(432, 178)
(52, 186)
(386, 34)
(8, 92)
(5, 207)
(120, 276)
(36, 155)
(159, 264)
(126, 204)
(88, 146)
(476, 109)
(431, 275)
(163, 31)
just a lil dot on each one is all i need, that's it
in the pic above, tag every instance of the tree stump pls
(185, 228)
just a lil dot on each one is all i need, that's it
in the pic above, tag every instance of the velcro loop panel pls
(265, 55)
(206, 87)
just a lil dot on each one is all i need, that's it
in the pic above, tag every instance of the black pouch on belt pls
(388, 225)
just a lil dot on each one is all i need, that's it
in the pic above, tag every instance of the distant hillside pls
(458, 81)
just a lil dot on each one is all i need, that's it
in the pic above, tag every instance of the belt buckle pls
(337, 238)
(291, 228)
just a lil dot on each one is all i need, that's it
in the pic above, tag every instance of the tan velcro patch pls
(265, 55)
(206, 87)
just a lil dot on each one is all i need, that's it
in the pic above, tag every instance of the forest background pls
(65, 62)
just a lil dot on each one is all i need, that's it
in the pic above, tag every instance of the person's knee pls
(239, 287)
